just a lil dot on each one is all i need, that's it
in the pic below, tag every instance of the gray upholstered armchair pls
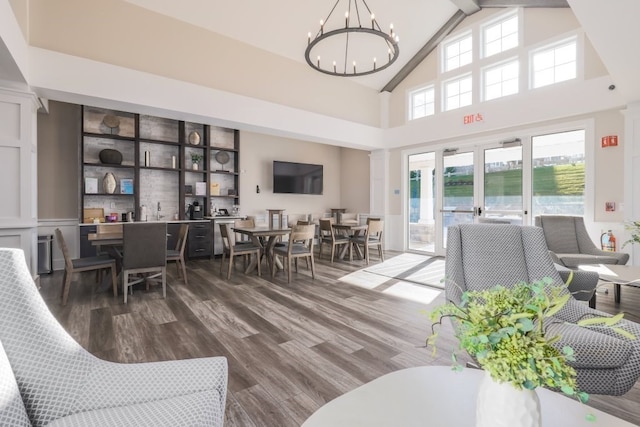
(480, 256)
(570, 244)
(47, 378)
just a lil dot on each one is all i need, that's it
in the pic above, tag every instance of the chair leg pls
(289, 269)
(230, 267)
(313, 267)
(258, 260)
(64, 280)
(333, 252)
(381, 251)
(65, 286)
(366, 253)
(164, 282)
(222, 262)
(184, 271)
(320, 254)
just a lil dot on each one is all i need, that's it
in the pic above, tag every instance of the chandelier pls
(355, 46)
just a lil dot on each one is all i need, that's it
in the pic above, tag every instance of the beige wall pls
(257, 153)
(58, 161)
(119, 33)
(355, 181)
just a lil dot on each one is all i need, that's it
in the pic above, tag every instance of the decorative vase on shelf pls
(109, 183)
(503, 405)
(195, 166)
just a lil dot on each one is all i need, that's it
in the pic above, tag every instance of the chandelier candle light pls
(363, 43)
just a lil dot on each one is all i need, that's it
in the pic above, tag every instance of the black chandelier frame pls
(391, 39)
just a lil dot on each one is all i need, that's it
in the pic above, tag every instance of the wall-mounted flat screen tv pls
(297, 178)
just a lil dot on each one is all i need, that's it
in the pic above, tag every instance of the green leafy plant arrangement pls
(195, 158)
(634, 227)
(504, 329)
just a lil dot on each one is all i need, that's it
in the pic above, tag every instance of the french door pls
(509, 182)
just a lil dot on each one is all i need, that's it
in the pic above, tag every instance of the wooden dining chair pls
(144, 253)
(300, 246)
(177, 254)
(232, 250)
(328, 236)
(372, 238)
(77, 265)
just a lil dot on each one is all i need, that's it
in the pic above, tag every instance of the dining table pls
(352, 230)
(266, 238)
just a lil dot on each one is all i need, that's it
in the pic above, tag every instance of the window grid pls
(555, 64)
(501, 36)
(458, 93)
(501, 80)
(422, 103)
(458, 53)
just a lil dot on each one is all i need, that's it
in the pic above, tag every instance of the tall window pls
(422, 103)
(458, 53)
(554, 64)
(501, 80)
(558, 173)
(500, 36)
(458, 93)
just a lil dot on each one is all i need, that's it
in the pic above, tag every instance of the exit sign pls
(472, 118)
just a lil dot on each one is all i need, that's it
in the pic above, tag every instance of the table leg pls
(592, 301)
(616, 292)
(253, 264)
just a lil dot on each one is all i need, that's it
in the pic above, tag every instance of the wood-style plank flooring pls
(291, 347)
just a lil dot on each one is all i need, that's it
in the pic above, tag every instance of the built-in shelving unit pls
(157, 160)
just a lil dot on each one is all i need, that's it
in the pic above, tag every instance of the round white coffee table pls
(436, 396)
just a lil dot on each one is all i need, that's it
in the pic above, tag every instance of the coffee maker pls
(196, 211)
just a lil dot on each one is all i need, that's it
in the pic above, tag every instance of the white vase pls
(502, 405)
(195, 166)
(109, 183)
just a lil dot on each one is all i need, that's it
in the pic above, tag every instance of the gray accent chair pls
(480, 256)
(47, 378)
(570, 244)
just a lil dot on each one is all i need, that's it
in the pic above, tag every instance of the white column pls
(631, 143)
(18, 173)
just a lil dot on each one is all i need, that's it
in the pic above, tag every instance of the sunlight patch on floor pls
(431, 274)
(397, 265)
(413, 292)
(364, 280)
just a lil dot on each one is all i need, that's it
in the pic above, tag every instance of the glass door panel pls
(458, 191)
(422, 202)
(503, 184)
(558, 173)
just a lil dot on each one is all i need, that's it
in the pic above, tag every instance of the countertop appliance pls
(196, 211)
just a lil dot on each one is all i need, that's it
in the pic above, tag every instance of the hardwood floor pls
(291, 347)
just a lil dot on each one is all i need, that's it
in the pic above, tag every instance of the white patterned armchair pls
(480, 256)
(47, 378)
